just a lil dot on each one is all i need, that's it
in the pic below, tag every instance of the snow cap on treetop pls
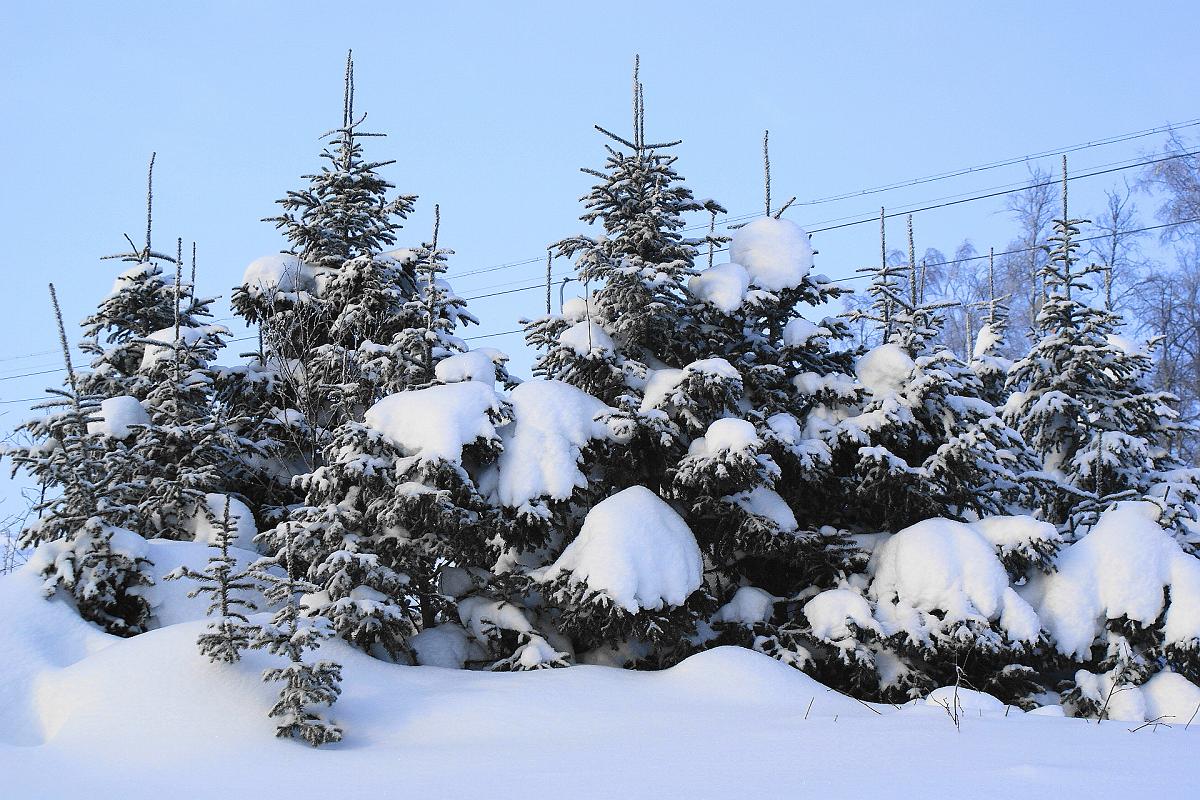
(776, 253)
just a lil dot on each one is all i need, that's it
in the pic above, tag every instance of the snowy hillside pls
(88, 714)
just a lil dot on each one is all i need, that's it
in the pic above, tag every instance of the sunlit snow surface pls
(84, 714)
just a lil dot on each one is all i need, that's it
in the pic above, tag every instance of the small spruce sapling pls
(226, 638)
(304, 684)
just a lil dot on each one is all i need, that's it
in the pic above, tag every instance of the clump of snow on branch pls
(439, 421)
(475, 365)
(280, 272)
(1126, 566)
(636, 549)
(798, 332)
(552, 423)
(117, 415)
(829, 612)
(749, 605)
(938, 572)
(162, 343)
(723, 286)
(885, 368)
(585, 337)
(776, 253)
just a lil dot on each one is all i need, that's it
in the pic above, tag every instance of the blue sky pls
(489, 109)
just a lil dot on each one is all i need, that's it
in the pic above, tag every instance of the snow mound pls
(37, 636)
(446, 645)
(723, 286)
(241, 520)
(475, 365)
(116, 415)
(749, 605)
(587, 337)
(131, 718)
(776, 252)
(635, 549)
(1171, 697)
(885, 368)
(959, 700)
(552, 423)
(280, 272)
(943, 566)
(439, 421)
(1123, 702)
(1122, 567)
(737, 675)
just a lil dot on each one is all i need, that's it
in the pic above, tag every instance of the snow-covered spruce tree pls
(334, 541)
(935, 608)
(224, 583)
(639, 263)
(925, 443)
(328, 303)
(1080, 396)
(420, 332)
(792, 378)
(143, 301)
(375, 526)
(184, 450)
(83, 543)
(439, 529)
(545, 479)
(305, 685)
(1119, 607)
(629, 590)
(152, 370)
(991, 343)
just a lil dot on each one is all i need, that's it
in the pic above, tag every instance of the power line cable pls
(906, 183)
(873, 218)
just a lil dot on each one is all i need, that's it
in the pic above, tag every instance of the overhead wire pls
(955, 200)
(909, 182)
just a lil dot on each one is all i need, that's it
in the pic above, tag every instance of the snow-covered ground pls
(86, 714)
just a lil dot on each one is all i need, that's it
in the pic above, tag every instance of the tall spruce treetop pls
(145, 298)
(344, 212)
(1080, 399)
(991, 342)
(639, 265)
(329, 306)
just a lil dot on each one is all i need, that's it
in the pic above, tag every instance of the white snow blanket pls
(85, 713)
